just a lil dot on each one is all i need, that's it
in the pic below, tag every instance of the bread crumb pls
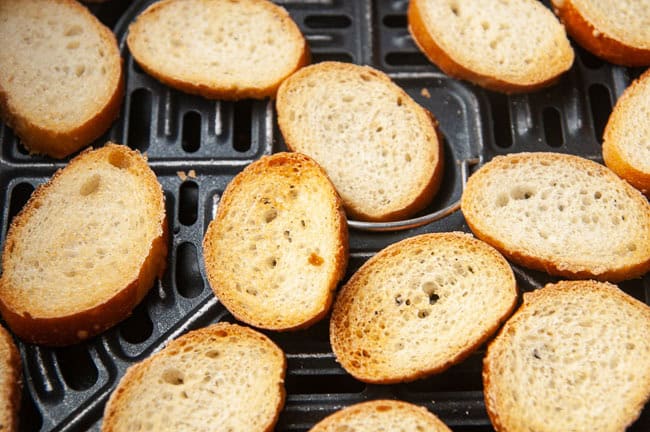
(596, 33)
(424, 92)
(191, 174)
(181, 175)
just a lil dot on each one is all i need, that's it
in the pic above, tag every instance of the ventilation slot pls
(138, 327)
(188, 203)
(553, 127)
(327, 21)
(322, 384)
(189, 282)
(78, 369)
(395, 21)
(501, 120)
(242, 125)
(30, 417)
(601, 107)
(465, 376)
(406, 59)
(330, 56)
(589, 60)
(140, 120)
(19, 196)
(191, 131)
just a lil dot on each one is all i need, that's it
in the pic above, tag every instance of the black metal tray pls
(66, 388)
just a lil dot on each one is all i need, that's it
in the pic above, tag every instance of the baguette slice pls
(614, 30)
(10, 382)
(626, 142)
(220, 49)
(278, 245)
(420, 306)
(61, 81)
(561, 214)
(379, 147)
(511, 47)
(220, 378)
(85, 249)
(381, 415)
(574, 357)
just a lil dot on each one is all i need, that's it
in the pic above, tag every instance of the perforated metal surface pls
(66, 389)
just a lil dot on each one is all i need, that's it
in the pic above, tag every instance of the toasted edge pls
(40, 140)
(74, 328)
(341, 258)
(596, 42)
(14, 388)
(418, 30)
(612, 155)
(135, 372)
(222, 92)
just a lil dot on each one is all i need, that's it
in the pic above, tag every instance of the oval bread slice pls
(419, 306)
(224, 377)
(379, 147)
(574, 357)
(626, 142)
(10, 382)
(220, 49)
(511, 47)
(561, 214)
(614, 30)
(85, 249)
(278, 245)
(381, 415)
(61, 82)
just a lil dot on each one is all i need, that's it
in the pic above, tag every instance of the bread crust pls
(11, 392)
(225, 288)
(76, 327)
(445, 61)
(554, 266)
(612, 154)
(597, 42)
(215, 90)
(58, 143)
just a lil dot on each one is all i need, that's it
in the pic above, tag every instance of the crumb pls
(191, 173)
(596, 33)
(424, 92)
(181, 175)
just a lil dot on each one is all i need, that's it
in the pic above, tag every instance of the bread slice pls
(10, 382)
(218, 49)
(561, 214)
(224, 377)
(379, 147)
(278, 245)
(61, 81)
(626, 142)
(381, 415)
(574, 357)
(419, 306)
(614, 30)
(506, 46)
(85, 249)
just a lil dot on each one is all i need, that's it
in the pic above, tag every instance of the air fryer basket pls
(196, 146)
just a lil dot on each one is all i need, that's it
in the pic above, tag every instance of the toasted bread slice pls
(511, 47)
(626, 142)
(379, 147)
(61, 82)
(10, 382)
(235, 49)
(561, 214)
(574, 357)
(278, 244)
(381, 415)
(224, 377)
(419, 306)
(85, 249)
(614, 30)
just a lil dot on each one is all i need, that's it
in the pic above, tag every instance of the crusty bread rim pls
(594, 41)
(422, 38)
(224, 92)
(14, 389)
(59, 144)
(73, 328)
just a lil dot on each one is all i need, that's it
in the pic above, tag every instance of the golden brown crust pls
(215, 90)
(59, 144)
(70, 329)
(596, 42)
(448, 65)
(13, 388)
